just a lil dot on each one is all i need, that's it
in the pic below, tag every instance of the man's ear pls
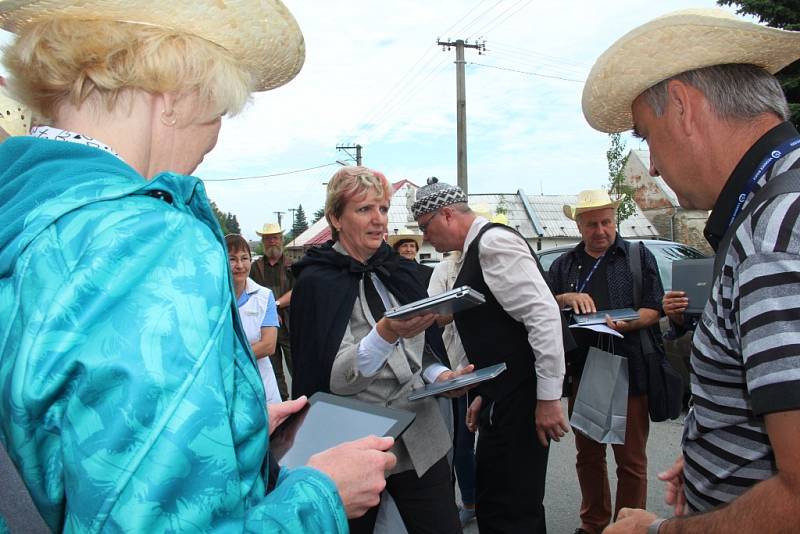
(682, 103)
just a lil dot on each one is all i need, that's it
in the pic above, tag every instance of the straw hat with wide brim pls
(269, 229)
(394, 239)
(590, 200)
(672, 44)
(15, 119)
(262, 34)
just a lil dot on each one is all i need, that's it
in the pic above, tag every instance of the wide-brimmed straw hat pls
(394, 240)
(672, 44)
(15, 119)
(269, 229)
(590, 200)
(262, 34)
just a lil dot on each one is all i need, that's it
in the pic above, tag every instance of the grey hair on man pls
(735, 91)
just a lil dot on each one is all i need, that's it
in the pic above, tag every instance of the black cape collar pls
(720, 216)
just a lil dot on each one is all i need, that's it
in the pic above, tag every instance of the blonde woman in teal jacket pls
(129, 397)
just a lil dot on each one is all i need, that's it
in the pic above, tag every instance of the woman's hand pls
(393, 329)
(279, 412)
(449, 375)
(674, 304)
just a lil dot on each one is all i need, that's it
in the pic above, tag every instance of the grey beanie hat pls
(436, 195)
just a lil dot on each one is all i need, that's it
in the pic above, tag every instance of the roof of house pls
(532, 215)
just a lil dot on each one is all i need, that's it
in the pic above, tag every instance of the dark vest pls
(489, 334)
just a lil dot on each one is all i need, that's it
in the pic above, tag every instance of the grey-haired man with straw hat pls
(597, 275)
(698, 86)
(273, 271)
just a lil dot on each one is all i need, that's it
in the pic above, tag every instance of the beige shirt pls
(514, 278)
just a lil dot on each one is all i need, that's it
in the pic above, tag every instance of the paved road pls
(562, 500)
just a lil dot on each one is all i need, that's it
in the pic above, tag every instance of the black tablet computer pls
(475, 377)
(449, 302)
(328, 420)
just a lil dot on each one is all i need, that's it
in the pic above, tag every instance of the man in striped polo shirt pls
(697, 85)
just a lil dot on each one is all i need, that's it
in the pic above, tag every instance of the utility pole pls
(461, 104)
(279, 214)
(293, 221)
(357, 148)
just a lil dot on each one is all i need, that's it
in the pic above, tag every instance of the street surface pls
(562, 500)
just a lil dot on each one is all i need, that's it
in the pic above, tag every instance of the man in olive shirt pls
(272, 271)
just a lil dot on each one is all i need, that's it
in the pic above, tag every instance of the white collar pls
(57, 134)
(476, 226)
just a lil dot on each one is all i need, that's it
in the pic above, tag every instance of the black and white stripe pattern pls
(746, 354)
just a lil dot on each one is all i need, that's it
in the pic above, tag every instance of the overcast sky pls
(374, 75)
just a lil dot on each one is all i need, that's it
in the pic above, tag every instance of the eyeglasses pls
(424, 227)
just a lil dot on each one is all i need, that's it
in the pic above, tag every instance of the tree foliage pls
(617, 188)
(227, 221)
(320, 213)
(783, 14)
(300, 223)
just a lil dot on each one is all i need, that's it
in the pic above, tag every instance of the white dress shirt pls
(515, 281)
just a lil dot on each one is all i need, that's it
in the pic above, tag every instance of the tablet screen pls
(328, 421)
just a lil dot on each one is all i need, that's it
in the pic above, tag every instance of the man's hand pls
(619, 326)
(550, 421)
(449, 375)
(673, 494)
(472, 414)
(280, 411)
(359, 470)
(579, 302)
(631, 521)
(393, 329)
(674, 304)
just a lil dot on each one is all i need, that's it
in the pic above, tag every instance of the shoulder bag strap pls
(635, 263)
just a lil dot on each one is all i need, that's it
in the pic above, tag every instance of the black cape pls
(325, 291)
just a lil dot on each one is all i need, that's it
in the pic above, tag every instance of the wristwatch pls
(278, 304)
(655, 525)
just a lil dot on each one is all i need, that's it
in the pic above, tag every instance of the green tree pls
(232, 224)
(617, 188)
(221, 218)
(300, 223)
(502, 206)
(320, 213)
(783, 14)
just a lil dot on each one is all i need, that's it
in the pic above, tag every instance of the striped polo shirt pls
(746, 350)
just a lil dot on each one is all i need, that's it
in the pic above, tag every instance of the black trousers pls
(427, 504)
(511, 466)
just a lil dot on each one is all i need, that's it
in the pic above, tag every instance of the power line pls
(524, 64)
(511, 10)
(466, 28)
(268, 175)
(523, 51)
(465, 15)
(525, 72)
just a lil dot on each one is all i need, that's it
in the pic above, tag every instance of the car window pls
(548, 257)
(666, 253)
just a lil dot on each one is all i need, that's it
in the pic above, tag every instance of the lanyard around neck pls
(589, 276)
(764, 167)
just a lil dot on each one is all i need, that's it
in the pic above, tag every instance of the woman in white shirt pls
(257, 311)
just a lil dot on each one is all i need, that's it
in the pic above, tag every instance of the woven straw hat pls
(262, 34)
(15, 119)
(270, 229)
(394, 239)
(590, 200)
(672, 44)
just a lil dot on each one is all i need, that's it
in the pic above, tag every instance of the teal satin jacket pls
(129, 398)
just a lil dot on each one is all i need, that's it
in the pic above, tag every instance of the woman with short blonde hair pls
(129, 396)
(342, 343)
